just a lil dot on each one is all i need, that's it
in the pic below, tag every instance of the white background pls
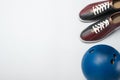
(39, 39)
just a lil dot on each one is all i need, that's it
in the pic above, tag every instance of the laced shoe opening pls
(101, 8)
(116, 18)
(116, 3)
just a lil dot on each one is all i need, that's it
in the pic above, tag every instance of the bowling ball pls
(101, 62)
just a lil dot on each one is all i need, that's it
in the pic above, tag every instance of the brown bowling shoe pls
(101, 29)
(99, 10)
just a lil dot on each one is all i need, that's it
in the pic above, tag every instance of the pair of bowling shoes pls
(107, 17)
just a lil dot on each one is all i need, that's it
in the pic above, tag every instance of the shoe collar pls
(111, 2)
(112, 16)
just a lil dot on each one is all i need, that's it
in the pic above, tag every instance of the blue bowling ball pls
(101, 62)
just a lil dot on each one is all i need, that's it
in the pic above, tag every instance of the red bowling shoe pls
(98, 10)
(101, 29)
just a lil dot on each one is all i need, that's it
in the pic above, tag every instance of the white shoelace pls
(100, 26)
(101, 7)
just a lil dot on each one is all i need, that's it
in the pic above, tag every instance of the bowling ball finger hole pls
(115, 56)
(91, 51)
(112, 61)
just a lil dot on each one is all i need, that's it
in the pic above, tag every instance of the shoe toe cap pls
(88, 36)
(86, 13)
